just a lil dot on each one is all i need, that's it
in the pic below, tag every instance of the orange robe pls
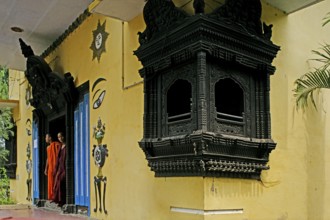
(59, 182)
(52, 152)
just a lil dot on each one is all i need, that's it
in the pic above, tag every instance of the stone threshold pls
(15, 206)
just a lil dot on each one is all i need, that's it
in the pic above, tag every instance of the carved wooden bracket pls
(50, 90)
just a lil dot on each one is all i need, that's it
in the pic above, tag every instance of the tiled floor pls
(29, 212)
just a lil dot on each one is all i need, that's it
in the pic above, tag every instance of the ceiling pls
(128, 9)
(43, 21)
(290, 6)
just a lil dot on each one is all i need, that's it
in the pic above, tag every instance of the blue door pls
(35, 160)
(82, 153)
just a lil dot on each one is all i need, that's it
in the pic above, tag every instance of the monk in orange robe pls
(52, 153)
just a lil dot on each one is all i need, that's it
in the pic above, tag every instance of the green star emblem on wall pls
(99, 38)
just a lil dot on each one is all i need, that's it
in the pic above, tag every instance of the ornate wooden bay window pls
(206, 85)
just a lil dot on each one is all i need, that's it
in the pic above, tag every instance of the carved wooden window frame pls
(183, 73)
(242, 78)
(185, 115)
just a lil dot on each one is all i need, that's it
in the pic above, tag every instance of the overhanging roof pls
(44, 21)
(127, 9)
(290, 6)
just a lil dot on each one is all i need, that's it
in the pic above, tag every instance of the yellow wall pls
(132, 191)
(21, 114)
(296, 186)
(302, 151)
(15, 78)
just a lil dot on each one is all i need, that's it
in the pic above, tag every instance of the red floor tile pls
(35, 213)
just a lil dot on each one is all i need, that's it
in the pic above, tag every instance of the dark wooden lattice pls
(229, 43)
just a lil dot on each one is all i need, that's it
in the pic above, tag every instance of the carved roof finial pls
(247, 13)
(199, 6)
(26, 49)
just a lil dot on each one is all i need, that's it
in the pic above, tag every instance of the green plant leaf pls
(326, 19)
(310, 83)
(324, 55)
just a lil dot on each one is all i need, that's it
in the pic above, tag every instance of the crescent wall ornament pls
(99, 38)
(99, 94)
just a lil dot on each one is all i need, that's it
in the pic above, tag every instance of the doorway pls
(57, 125)
(73, 120)
(46, 124)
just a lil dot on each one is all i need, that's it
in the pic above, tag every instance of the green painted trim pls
(67, 32)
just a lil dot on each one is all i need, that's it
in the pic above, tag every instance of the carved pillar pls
(202, 105)
(70, 156)
(159, 107)
(267, 106)
(154, 112)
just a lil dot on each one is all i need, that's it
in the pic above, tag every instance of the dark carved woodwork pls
(70, 155)
(53, 95)
(202, 49)
(244, 14)
(159, 16)
(199, 6)
(50, 90)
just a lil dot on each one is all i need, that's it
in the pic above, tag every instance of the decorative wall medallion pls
(99, 38)
(100, 97)
(100, 152)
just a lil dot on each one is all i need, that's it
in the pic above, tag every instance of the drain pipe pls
(123, 62)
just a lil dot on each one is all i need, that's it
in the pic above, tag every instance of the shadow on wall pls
(314, 121)
(242, 188)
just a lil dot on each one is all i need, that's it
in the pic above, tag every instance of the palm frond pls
(310, 83)
(324, 55)
(326, 19)
(315, 80)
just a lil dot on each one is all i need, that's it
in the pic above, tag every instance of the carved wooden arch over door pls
(54, 97)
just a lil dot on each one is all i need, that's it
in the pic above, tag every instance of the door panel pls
(35, 160)
(82, 153)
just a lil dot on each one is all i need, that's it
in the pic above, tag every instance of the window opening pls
(179, 101)
(229, 100)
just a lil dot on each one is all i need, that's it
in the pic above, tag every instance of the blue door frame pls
(35, 160)
(82, 153)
